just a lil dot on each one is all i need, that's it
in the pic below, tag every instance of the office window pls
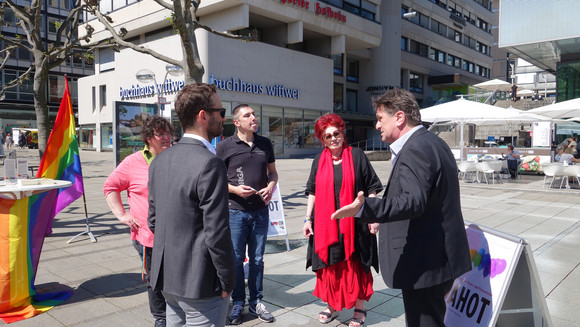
(404, 43)
(434, 26)
(9, 16)
(442, 29)
(453, 61)
(415, 82)
(423, 20)
(436, 55)
(106, 59)
(457, 36)
(93, 98)
(419, 49)
(352, 70)
(337, 97)
(441, 57)
(338, 64)
(102, 96)
(351, 100)
(54, 88)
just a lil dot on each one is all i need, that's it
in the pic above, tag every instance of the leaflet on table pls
(22, 168)
(10, 171)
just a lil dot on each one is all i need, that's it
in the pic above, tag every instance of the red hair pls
(327, 121)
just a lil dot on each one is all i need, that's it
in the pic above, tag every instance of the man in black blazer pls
(422, 241)
(193, 257)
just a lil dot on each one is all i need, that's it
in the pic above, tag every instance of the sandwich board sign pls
(503, 287)
(277, 226)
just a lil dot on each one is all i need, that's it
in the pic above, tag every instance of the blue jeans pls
(249, 228)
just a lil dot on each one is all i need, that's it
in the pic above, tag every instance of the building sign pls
(232, 84)
(318, 9)
(238, 85)
(141, 91)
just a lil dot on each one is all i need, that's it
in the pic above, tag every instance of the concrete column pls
(295, 32)
(338, 44)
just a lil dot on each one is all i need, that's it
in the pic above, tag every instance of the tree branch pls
(164, 4)
(130, 45)
(17, 81)
(251, 38)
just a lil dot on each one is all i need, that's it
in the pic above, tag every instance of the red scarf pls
(326, 229)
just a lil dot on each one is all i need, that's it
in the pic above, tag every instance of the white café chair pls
(552, 170)
(488, 167)
(465, 168)
(570, 171)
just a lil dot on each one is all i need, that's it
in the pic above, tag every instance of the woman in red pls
(340, 252)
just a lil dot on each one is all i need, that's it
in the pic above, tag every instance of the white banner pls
(277, 222)
(477, 295)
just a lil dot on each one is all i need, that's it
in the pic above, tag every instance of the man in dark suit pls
(422, 241)
(193, 256)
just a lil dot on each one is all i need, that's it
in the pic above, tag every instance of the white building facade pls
(312, 57)
(287, 77)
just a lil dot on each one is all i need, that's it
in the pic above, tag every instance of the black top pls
(246, 166)
(365, 246)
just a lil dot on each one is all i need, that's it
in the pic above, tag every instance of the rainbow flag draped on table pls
(25, 222)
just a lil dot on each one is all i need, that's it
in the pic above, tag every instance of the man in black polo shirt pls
(252, 178)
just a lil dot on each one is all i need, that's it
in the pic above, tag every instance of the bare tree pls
(185, 22)
(46, 54)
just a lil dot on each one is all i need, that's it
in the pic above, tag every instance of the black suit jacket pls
(193, 256)
(424, 242)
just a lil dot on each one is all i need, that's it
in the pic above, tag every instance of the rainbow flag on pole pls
(23, 226)
(61, 158)
(24, 223)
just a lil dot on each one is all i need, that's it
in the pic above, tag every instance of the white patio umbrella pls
(494, 84)
(525, 92)
(564, 109)
(462, 112)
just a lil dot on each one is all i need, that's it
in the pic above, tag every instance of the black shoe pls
(159, 323)
(235, 318)
(261, 312)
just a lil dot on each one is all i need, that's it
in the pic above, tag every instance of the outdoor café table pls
(25, 219)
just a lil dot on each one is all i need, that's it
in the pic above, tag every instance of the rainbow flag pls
(23, 226)
(24, 223)
(61, 158)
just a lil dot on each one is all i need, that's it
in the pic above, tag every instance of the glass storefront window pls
(272, 127)
(85, 137)
(293, 128)
(107, 137)
(310, 117)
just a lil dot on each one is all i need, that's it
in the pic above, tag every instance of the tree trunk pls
(40, 103)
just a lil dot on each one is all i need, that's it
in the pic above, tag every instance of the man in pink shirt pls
(132, 175)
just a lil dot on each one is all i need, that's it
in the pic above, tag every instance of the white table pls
(30, 187)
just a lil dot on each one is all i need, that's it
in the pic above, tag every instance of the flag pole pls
(88, 229)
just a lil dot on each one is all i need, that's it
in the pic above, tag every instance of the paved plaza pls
(106, 276)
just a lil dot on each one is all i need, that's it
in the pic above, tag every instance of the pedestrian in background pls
(341, 253)
(252, 177)
(193, 256)
(132, 175)
(422, 241)
(9, 141)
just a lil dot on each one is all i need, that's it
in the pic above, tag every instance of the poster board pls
(503, 287)
(127, 124)
(277, 226)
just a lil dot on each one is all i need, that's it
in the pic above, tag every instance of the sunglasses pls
(166, 134)
(221, 110)
(329, 136)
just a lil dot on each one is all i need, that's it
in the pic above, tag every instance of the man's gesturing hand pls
(351, 209)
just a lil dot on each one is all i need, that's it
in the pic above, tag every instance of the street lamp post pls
(147, 76)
